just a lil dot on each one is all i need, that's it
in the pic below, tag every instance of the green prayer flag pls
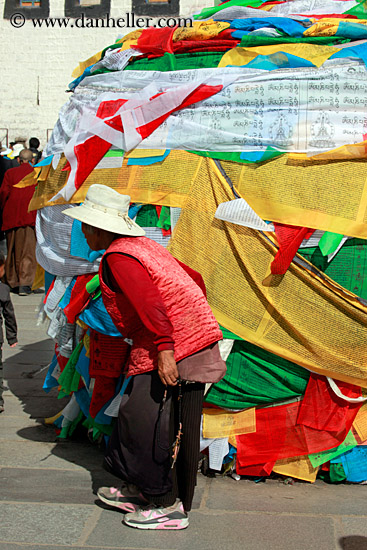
(337, 473)
(68, 430)
(209, 12)
(93, 284)
(69, 378)
(98, 429)
(317, 459)
(176, 62)
(256, 378)
(268, 154)
(359, 11)
(249, 41)
(115, 153)
(147, 216)
(348, 268)
(329, 242)
(164, 221)
(228, 335)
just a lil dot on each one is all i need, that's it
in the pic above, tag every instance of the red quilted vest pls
(194, 324)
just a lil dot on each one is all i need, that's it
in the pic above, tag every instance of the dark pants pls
(140, 448)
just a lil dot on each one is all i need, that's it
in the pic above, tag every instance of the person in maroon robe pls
(18, 224)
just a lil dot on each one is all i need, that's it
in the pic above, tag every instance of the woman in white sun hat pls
(160, 305)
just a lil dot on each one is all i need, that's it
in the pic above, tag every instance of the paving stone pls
(110, 531)
(17, 546)
(46, 405)
(46, 486)
(275, 496)
(15, 428)
(30, 341)
(226, 531)
(199, 491)
(27, 386)
(46, 524)
(14, 366)
(13, 406)
(27, 453)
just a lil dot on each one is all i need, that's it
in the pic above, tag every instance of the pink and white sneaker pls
(128, 498)
(151, 517)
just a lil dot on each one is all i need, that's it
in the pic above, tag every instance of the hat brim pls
(105, 221)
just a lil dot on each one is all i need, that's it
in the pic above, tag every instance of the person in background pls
(5, 162)
(18, 225)
(34, 144)
(10, 156)
(17, 148)
(160, 305)
(6, 313)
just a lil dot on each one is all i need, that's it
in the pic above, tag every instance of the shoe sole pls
(170, 525)
(124, 507)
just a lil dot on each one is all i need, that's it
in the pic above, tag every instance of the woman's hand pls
(167, 368)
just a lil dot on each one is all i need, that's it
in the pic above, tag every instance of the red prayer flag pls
(289, 239)
(79, 297)
(279, 436)
(158, 41)
(258, 470)
(321, 409)
(108, 355)
(103, 390)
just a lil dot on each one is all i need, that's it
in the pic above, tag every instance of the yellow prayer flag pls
(52, 419)
(331, 196)
(47, 189)
(130, 39)
(143, 153)
(316, 54)
(220, 423)
(86, 343)
(328, 26)
(39, 278)
(303, 318)
(200, 30)
(360, 423)
(291, 189)
(44, 172)
(28, 180)
(79, 70)
(126, 42)
(299, 467)
(167, 183)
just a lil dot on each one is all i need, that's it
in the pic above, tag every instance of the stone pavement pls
(47, 488)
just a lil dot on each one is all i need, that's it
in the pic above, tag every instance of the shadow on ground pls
(353, 542)
(25, 372)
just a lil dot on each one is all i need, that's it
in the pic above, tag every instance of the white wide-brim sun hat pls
(106, 209)
(17, 148)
